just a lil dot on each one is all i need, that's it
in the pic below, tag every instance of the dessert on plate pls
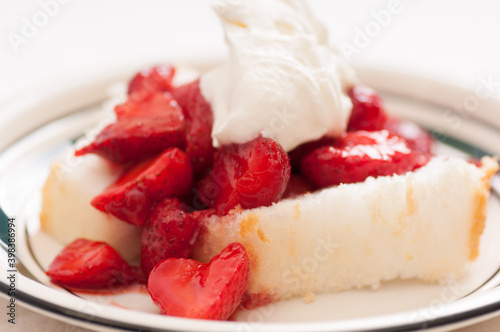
(274, 175)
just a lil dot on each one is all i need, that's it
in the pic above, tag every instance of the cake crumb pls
(309, 298)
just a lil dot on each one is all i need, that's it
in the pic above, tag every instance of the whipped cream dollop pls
(282, 79)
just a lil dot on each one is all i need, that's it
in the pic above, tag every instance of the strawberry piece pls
(297, 186)
(154, 105)
(136, 137)
(367, 109)
(152, 80)
(421, 142)
(251, 175)
(199, 126)
(206, 189)
(186, 288)
(417, 138)
(356, 156)
(133, 137)
(297, 154)
(90, 265)
(169, 232)
(132, 195)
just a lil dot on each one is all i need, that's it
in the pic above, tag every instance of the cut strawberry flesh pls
(358, 155)
(186, 288)
(90, 265)
(199, 125)
(249, 175)
(152, 80)
(421, 142)
(367, 109)
(131, 196)
(170, 231)
(154, 105)
(139, 136)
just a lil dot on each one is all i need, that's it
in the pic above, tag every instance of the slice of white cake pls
(425, 224)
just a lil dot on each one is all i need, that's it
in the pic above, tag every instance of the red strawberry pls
(85, 264)
(199, 127)
(421, 142)
(139, 137)
(206, 189)
(131, 196)
(252, 174)
(186, 288)
(169, 232)
(356, 156)
(297, 186)
(152, 80)
(154, 105)
(367, 109)
(417, 138)
(302, 150)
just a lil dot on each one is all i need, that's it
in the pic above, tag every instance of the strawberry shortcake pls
(274, 175)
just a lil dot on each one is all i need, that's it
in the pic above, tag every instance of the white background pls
(453, 40)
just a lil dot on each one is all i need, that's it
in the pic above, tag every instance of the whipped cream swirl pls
(282, 79)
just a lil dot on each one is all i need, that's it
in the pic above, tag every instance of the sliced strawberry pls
(131, 196)
(420, 141)
(297, 186)
(417, 138)
(186, 288)
(154, 105)
(169, 232)
(85, 264)
(367, 109)
(133, 138)
(356, 156)
(152, 80)
(251, 175)
(199, 127)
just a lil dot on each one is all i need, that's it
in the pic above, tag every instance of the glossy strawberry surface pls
(132, 195)
(154, 105)
(367, 109)
(199, 125)
(170, 231)
(358, 155)
(248, 175)
(90, 265)
(141, 132)
(186, 288)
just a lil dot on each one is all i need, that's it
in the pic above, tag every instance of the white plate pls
(62, 113)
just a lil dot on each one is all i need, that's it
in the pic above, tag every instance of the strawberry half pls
(186, 288)
(90, 265)
(154, 105)
(367, 109)
(199, 125)
(356, 156)
(251, 175)
(152, 80)
(141, 132)
(132, 195)
(169, 232)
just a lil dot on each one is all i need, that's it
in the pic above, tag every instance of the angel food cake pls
(274, 175)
